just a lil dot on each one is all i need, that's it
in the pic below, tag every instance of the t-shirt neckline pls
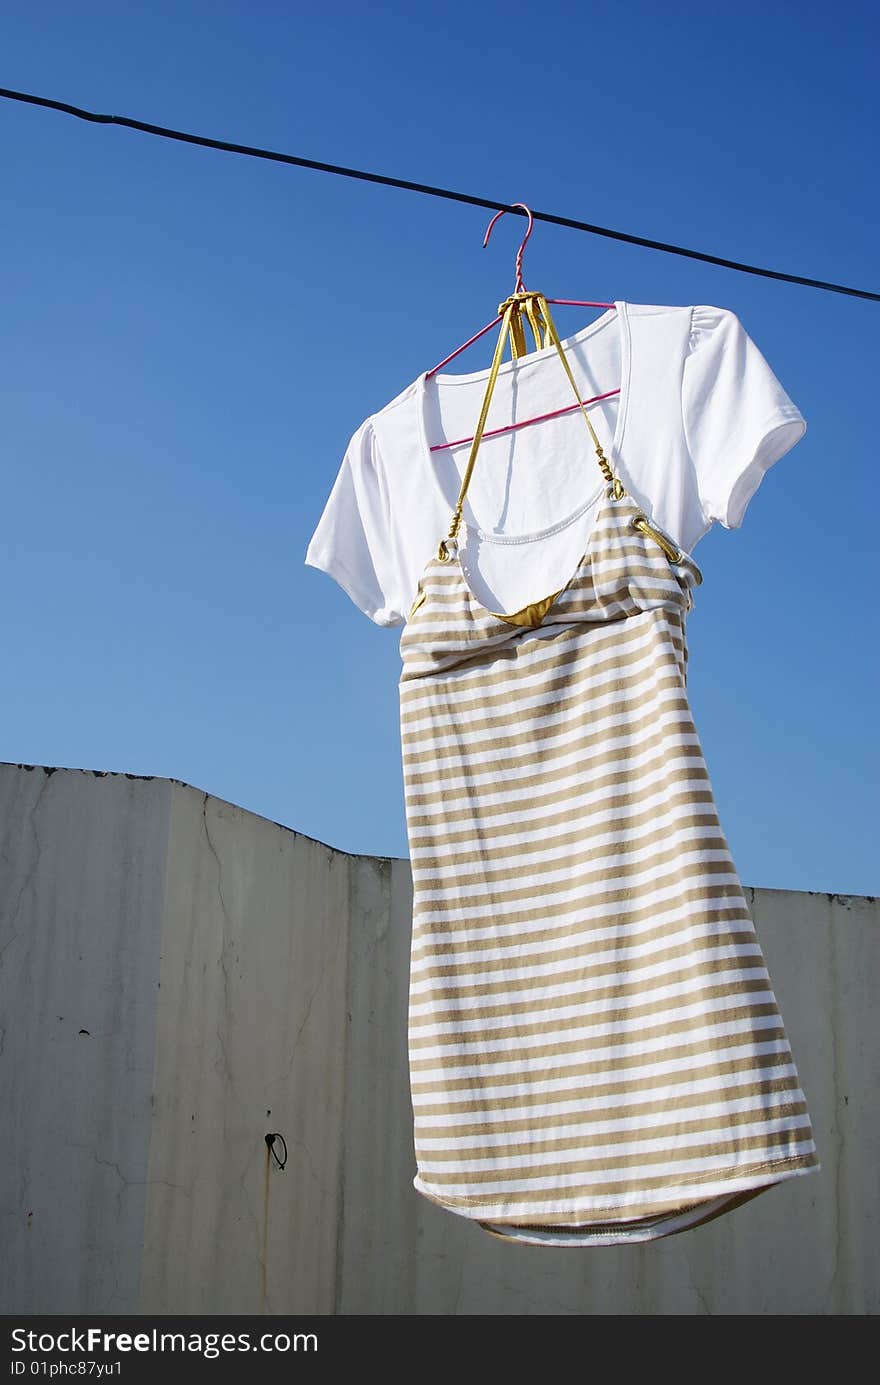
(618, 313)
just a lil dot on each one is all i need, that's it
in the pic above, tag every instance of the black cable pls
(426, 188)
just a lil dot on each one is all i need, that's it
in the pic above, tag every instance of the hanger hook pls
(520, 287)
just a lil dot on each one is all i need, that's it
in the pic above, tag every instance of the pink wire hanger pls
(520, 288)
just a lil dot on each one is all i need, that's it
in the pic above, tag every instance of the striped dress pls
(596, 1051)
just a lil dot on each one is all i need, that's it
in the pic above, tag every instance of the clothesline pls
(258, 153)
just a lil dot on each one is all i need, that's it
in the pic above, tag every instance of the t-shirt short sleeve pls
(737, 418)
(354, 542)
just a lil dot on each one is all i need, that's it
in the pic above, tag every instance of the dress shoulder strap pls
(533, 304)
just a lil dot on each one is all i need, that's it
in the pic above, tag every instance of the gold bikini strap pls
(512, 309)
(517, 335)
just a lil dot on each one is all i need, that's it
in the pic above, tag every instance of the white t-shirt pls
(698, 419)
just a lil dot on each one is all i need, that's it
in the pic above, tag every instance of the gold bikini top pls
(535, 306)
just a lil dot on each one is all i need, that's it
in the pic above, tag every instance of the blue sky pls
(191, 337)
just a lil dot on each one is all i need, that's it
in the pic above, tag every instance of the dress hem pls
(713, 1199)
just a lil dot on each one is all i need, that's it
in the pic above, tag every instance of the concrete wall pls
(179, 978)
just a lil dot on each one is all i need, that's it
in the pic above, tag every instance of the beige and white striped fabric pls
(596, 1052)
